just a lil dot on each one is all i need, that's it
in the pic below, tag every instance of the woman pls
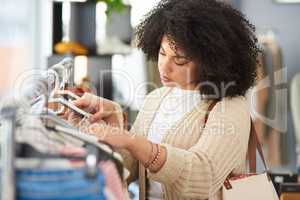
(206, 51)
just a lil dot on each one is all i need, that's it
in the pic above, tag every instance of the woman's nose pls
(165, 65)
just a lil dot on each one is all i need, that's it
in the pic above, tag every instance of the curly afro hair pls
(213, 34)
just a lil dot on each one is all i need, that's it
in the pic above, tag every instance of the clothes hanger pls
(57, 124)
(63, 97)
(95, 151)
(98, 150)
(69, 105)
(64, 69)
(67, 94)
(86, 138)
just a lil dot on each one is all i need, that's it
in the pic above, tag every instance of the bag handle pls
(253, 143)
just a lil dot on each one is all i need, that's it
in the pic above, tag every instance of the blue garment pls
(40, 184)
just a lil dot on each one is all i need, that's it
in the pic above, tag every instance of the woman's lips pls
(165, 79)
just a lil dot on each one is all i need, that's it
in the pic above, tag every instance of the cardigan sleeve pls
(138, 128)
(200, 171)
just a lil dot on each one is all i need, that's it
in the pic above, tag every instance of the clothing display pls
(64, 179)
(201, 158)
(112, 181)
(59, 185)
(45, 157)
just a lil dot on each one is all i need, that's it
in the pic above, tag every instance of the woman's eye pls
(180, 61)
(162, 53)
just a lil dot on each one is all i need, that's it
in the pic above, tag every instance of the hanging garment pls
(36, 184)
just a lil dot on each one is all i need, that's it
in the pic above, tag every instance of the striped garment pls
(198, 160)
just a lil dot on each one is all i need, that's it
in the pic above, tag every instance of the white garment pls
(174, 106)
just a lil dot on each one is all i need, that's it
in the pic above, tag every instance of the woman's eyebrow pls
(180, 56)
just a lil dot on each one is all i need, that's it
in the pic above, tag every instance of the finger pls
(82, 103)
(98, 116)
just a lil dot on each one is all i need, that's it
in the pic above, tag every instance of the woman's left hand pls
(116, 137)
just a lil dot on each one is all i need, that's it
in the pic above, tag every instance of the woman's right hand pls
(101, 109)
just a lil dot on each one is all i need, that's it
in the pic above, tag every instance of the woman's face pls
(175, 68)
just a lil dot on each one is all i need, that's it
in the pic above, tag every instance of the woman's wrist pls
(152, 156)
(140, 148)
(129, 141)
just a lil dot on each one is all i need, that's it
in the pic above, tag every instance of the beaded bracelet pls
(147, 164)
(156, 156)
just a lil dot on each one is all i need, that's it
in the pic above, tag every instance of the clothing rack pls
(11, 144)
(8, 115)
(8, 153)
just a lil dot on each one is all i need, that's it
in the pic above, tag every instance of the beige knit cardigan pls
(198, 159)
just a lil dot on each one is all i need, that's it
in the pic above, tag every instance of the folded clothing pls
(35, 184)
